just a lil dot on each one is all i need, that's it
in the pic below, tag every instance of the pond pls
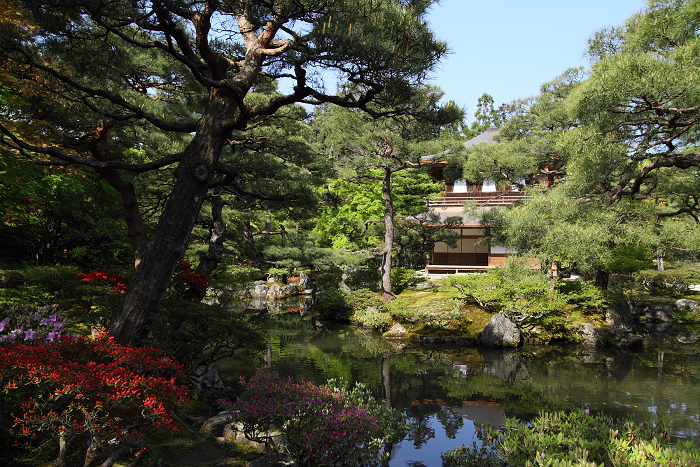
(445, 390)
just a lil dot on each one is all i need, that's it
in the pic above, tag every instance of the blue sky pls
(508, 48)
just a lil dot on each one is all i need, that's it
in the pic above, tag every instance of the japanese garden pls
(254, 233)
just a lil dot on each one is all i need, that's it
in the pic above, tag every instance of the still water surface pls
(444, 390)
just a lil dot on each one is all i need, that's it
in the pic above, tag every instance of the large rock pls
(205, 378)
(215, 425)
(396, 331)
(260, 290)
(501, 332)
(687, 338)
(274, 292)
(686, 305)
(589, 333)
(622, 315)
(304, 280)
(657, 313)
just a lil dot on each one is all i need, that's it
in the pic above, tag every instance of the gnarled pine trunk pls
(167, 246)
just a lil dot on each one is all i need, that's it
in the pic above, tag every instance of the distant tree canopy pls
(366, 149)
(615, 150)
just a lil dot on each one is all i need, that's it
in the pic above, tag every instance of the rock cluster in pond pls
(501, 331)
(274, 291)
(263, 291)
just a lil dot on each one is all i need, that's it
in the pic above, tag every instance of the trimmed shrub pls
(670, 280)
(331, 304)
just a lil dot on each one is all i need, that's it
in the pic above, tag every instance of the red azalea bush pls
(92, 388)
(185, 273)
(322, 425)
(116, 282)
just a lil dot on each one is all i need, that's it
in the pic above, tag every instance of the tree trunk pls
(167, 247)
(602, 278)
(209, 261)
(659, 246)
(660, 255)
(388, 236)
(249, 242)
(132, 212)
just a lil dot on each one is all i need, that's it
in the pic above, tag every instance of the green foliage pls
(583, 294)
(84, 303)
(342, 226)
(373, 317)
(328, 278)
(53, 217)
(332, 304)
(402, 278)
(53, 278)
(241, 274)
(363, 298)
(638, 109)
(585, 233)
(628, 258)
(528, 294)
(32, 294)
(568, 439)
(669, 280)
(364, 277)
(194, 333)
(438, 319)
(529, 297)
(277, 274)
(300, 248)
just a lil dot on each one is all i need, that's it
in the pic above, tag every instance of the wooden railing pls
(481, 198)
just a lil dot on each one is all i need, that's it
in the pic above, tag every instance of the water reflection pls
(444, 390)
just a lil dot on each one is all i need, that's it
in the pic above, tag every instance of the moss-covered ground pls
(438, 313)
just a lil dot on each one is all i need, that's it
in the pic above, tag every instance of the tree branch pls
(61, 158)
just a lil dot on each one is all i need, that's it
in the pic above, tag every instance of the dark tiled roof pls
(486, 137)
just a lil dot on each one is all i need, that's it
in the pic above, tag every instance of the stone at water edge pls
(500, 332)
(303, 280)
(657, 313)
(396, 331)
(260, 290)
(687, 338)
(686, 305)
(589, 333)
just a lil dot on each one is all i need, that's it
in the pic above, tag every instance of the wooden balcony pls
(481, 198)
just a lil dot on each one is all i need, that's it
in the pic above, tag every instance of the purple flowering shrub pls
(320, 425)
(41, 324)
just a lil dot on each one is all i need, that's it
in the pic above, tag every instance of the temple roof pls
(487, 137)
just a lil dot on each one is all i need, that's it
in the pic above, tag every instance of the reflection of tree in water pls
(520, 382)
(451, 422)
(419, 419)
